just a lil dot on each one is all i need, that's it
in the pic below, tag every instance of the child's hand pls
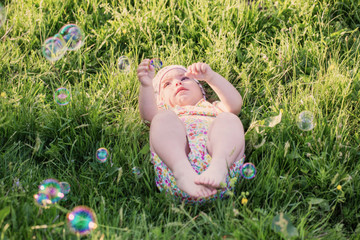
(145, 73)
(199, 71)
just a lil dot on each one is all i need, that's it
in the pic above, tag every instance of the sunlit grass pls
(284, 56)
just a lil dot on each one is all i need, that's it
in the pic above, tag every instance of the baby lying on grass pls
(195, 145)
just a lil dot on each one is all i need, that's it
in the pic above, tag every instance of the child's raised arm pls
(231, 100)
(147, 101)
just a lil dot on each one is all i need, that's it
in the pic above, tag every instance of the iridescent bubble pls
(102, 155)
(156, 63)
(81, 220)
(52, 188)
(2, 14)
(248, 170)
(54, 48)
(137, 172)
(65, 187)
(62, 96)
(123, 63)
(73, 36)
(42, 200)
(305, 121)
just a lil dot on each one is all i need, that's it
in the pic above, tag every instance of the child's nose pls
(178, 83)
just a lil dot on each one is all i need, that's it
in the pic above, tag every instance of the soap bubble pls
(248, 171)
(102, 155)
(42, 200)
(54, 48)
(73, 36)
(156, 63)
(123, 63)
(65, 187)
(52, 188)
(2, 14)
(62, 96)
(305, 121)
(137, 172)
(81, 220)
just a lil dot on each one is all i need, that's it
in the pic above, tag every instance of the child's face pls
(176, 89)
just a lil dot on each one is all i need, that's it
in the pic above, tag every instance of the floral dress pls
(197, 120)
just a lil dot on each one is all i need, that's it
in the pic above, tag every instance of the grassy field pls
(284, 56)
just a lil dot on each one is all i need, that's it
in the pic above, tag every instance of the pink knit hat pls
(160, 75)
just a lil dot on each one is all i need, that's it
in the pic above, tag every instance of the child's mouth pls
(180, 89)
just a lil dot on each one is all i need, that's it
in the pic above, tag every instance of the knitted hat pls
(160, 75)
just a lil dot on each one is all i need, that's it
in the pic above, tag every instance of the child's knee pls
(165, 115)
(228, 115)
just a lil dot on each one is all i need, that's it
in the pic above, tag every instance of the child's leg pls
(226, 144)
(168, 141)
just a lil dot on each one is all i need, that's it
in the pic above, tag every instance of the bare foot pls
(212, 177)
(185, 181)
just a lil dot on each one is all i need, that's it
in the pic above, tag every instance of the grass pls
(289, 55)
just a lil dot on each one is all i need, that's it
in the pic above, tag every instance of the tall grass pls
(289, 55)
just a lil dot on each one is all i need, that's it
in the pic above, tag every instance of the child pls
(194, 144)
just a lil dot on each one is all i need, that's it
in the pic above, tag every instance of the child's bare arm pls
(147, 101)
(231, 100)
